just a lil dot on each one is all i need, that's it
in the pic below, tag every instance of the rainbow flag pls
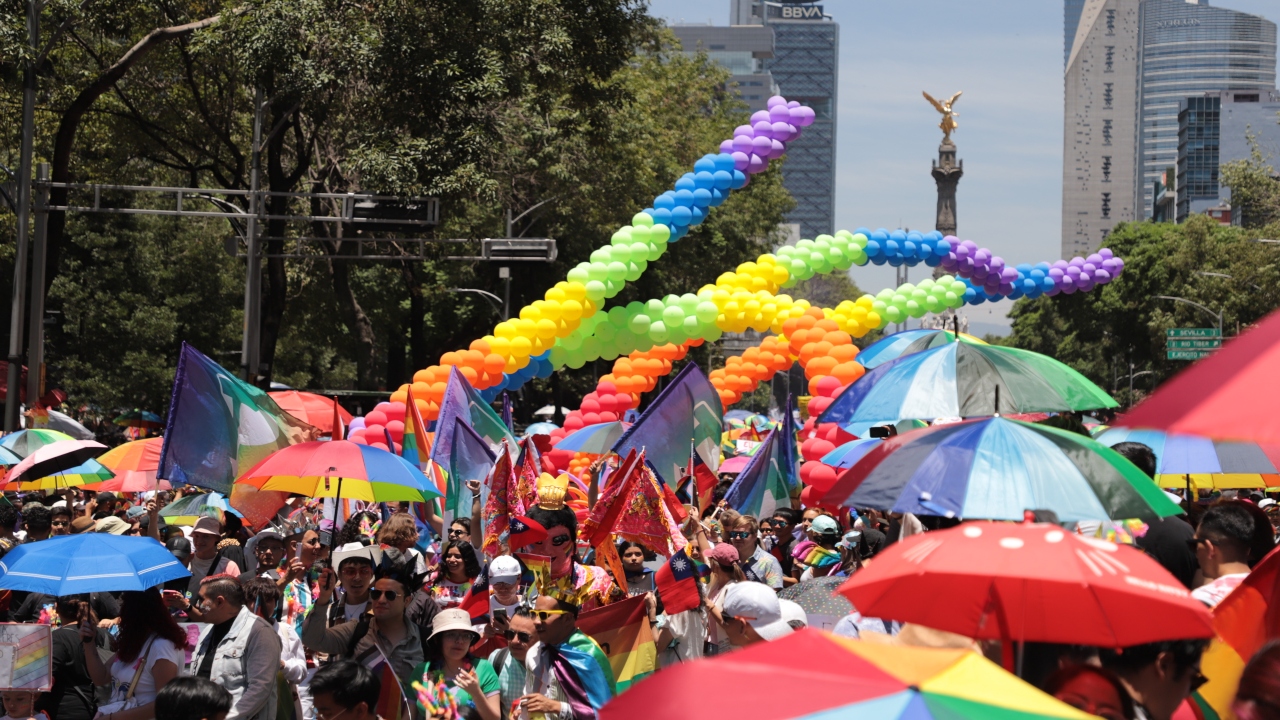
(393, 704)
(1245, 620)
(622, 630)
(32, 668)
(538, 565)
(818, 556)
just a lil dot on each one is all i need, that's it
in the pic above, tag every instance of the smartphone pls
(883, 431)
(500, 614)
(171, 593)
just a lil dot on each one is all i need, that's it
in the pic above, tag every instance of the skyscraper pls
(1189, 49)
(1099, 144)
(742, 50)
(1071, 10)
(806, 58)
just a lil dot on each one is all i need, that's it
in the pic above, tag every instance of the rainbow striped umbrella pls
(964, 380)
(595, 439)
(997, 469)
(86, 473)
(25, 442)
(843, 679)
(341, 468)
(892, 347)
(1207, 463)
(187, 510)
(850, 453)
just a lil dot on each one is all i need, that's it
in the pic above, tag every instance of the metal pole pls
(250, 350)
(39, 250)
(505, 274)
(24, 212)
(1130, 383)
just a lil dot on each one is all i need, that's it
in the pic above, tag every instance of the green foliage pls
(1101, 332)
(1255, 187)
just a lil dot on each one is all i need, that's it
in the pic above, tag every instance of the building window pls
(1106, 132)
(1111, 22)
(1111, 58)
(1106, 168)
(1253, 97)
(1107, 95)
(1106, 205)
(716, 47)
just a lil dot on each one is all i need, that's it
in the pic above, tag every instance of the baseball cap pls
(758, 605)
(504, 569)
(723, 553)
(850, 540)
(208, 526)
(179, 546)
(135, 511)
(825, 525)
(792, 613)
(105, 496)
(1265, 503)
(111, 525)
(81, 524)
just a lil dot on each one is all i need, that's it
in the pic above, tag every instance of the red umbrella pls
(1230, 395)
(310, 408)
(1028, 581)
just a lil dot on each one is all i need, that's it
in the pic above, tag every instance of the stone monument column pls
(946, 173)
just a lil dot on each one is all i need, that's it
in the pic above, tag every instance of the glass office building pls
(1186, 50)
(1198, 125)
(1071, 12)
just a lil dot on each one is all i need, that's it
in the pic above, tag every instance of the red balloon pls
(358, 439)
(590, 405)
(822, 476)
(591, 418)
(829, 432)
(375, 417)
(807, 429)
(622, 402)
(573, 421)
(807, 451)
(607, 403)
(818, 405)
(811, 496)
(395, 410)
(606, 388)
(827, 386)
(374, 433)
(396, 428)
(380, 446)
(608, 417)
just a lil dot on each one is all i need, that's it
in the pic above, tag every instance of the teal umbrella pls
(595, 439)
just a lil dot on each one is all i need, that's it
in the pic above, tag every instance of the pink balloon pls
(591, 418)
(358, 440)
(380, 446)
(376, 417)
(605, 388)
(608, 417)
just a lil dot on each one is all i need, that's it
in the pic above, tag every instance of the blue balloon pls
(682, 215)
(704, 179)
(718, 197)
(686, 183)
(724, 162)
(873, 249)
(908, 250)
(739, 180)
(662, 216)
(895, 260)
(878, 260)
(971, 296)
(862, 230)
(684, 198)
(698, 215)
(677, 232)
(665, 200)
(701, 197)
(933, 261)
(705, 163)
(724, 179)
(892, 249)
(941, 247)
(880, 235)
(898, 235)
(1047, 284)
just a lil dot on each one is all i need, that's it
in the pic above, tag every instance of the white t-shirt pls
(122, 673)
(353, 612)
(1213, 592)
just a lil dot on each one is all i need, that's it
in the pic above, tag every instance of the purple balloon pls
(775, 101)
(782, 131)
(949, 262)
(1119, 266)
(793, 104)
(761, 146)
(742, 160)
(1060, 264)
(1056, 273)
(759, 116)
(973, 246)
(982, 256)
(778, 149)
(1006, 288)
(1094, 259)
(726, 146)
(742, 144)
(356, 423)
(780, 113)
(757, 164)
(802, 116)
(1076, 262)
(1106, 253)
(1102, 277)
(1068, 285)
(763, 129)
(1085, 283)
(1008, 275)
(980, 273)
(1073, 272)
(744, 130)
(961, 251)
(1088, 269)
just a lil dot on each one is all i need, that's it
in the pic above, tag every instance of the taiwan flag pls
(677, 582)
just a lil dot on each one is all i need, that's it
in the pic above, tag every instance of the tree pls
(1101, 332)
(1254, 185)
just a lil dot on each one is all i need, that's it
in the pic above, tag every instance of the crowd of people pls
(308, 620)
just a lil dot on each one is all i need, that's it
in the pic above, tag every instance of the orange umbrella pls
(135, 465)
(310, 408)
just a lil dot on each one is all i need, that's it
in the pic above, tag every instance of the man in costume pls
(568, 676)
(592, 584)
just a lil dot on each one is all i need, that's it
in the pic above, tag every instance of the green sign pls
(1206, 344)
(1193, 332)
(1187, 354)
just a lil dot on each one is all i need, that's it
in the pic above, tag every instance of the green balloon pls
(605, 331)
(689, 303)
(558, 356)
(713, 334)
(595, 292)
(641, 234)
(858, 255)
(591, 348)
(818, 261)
(642, 219)
(860, 240)
(572, 341)
(622, 234)
(692, 328)
(635, 270)
(786, 251)
(575, 360)
(602, 255)
(621, 253)
(954, 301)
(639, 252)
(597, 272)
(656, 250)
(879, 307)
(706, 312)
(672, 316)
(654, 308)
(919, 295)
(885, 295)
(839, 259)
(660, 234)
(806, 245)
(893, 313)
(824, 238)
(617, 316)
(800, 269)
(639, 325)
(915, 309)
(933, 305)
(626, 343)
(579, 273)
(658, 332)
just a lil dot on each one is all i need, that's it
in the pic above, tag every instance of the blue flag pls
(469, 458)
(687, 408)
(788, 455)
(220, 426)
(761, 488)
(461, 401)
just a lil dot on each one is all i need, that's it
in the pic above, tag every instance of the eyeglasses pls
(545, 615)
(1197, 680)
(354, 570)
(377, 594)
(560, 540)
(335, 716)
(525, 637)
(739, 535)
(60, 523)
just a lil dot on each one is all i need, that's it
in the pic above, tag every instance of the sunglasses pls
(1198, 680)
(739, 535)
(560, 540)
(779, 522)
(456, 533)
(545, 615)
(60, 523)
(1193, 543)
(525, 637)
(377, 595)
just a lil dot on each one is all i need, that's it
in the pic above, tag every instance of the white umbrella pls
(551, 410)
(64, 423)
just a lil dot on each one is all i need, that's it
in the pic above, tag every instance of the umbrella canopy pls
(551, 410)
(964, 380)
(140, 419)
(819, 597)
(89, 562)
(9, 457)
(1208, 463)
(735, 464)
(997, 469)
(540, 428)
(812, 675)
(87, 473)
(851, 452)
(193, 507)
(54, 458)
(312, 409)
(892, 347)
(1028, 581)
(595, 439)
(66, 424)
(25, 442)
(135, 465)
(320, 468)
(738, 415)
(1230, 395)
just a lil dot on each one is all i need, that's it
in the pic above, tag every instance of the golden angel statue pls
(948, 115)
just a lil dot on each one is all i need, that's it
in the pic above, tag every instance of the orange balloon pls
(494, 363)
(480, 345)
(449, 358)
(425, 375)
(470, 374)
(399, 396)
(847, 372)
(844, 353)
(836, 337)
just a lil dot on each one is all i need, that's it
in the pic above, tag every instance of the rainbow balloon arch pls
(570, 326)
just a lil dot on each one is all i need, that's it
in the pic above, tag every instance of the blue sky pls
(1006, 55)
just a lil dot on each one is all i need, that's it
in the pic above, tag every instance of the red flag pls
(339, 428)
(525, 531)
(673, 503)
(476, 601)
(609, 506)
(677, 582)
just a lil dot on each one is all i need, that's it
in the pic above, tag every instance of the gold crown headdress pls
(563, 589)
(552, 491)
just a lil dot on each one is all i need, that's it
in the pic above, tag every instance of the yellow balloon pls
(575, 291)
(506, 329)
(550, 310)
(528, 328)
(530, 313)
(555, 294)
(571, 310)
(546, 329)
(521, 347)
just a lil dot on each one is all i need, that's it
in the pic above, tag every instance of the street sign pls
(1187, 354)
(1193, 332)
(1203, 344)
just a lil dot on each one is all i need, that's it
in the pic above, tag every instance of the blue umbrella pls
(595, 439)
(892, 347)
(540, 428)
(89, 562)
(851, 452)
(9, 457)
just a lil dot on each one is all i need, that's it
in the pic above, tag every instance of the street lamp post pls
(1216, 315)
(18, 308)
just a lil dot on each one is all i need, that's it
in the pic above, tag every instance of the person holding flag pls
(568, 676)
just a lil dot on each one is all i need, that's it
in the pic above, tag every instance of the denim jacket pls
(245, 663)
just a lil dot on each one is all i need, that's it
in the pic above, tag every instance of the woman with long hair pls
(725, 571)
(458, 568)
(400, 531)
(149, 653)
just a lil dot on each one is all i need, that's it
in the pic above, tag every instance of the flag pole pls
(333, 533)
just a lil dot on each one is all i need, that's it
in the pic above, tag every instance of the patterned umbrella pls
(135, 465)
(25, 442)
(964, 380)
(90, 472)
(892, 347)
(340, 468)
(187, 510)
(140, 419)
(595, 439)
(54, 458)
(850, 453)
(310, 408)
(819, 597)
(1204, 463)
